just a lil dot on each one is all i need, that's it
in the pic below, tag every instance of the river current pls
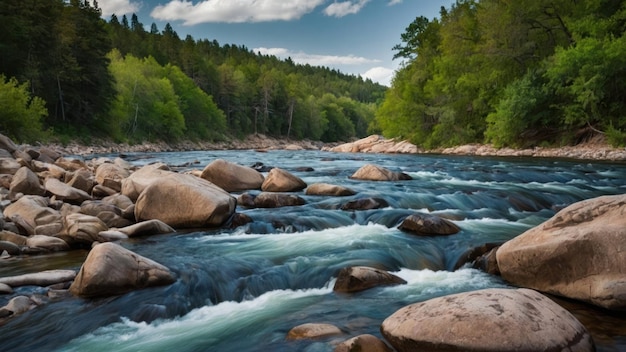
(243, 289)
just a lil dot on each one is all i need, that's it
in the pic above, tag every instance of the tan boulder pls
(82, 229)
(48, 170)
(30, 212)
(26, 182)
(232, 177)
(63, 191)
(486, 320)
(5, 180)
(579, 253)
(370, 172)
(111, 175)
(133, 185)
(313, 331)
(13, 238)
(277, 200)
(42, 278)
(9, 166)
(279, 180)
(146, 228)
(363, 343)
(110, 214)
(428, 225)
(111, 269)
(47, 243)
(70, 164)
(7, 144)
(359, 278)
(83, 180)
(325, 189)
(181, 200)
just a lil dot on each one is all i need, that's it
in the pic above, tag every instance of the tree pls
(21, 116)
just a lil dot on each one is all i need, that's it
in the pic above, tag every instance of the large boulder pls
(428, 225)
(279, 180)
(82, 229)
(325, 189)
(82, 179)
(370, 172)
(63, 191)
(146, 228)
(111, 269)
(47, 243)
(111, 175)
(110, 214)
(31, 212)
(181, 200)
(133, 185)
(579, 253)
(26, 182)
(359, 278)
(232, 177)
(486, 320)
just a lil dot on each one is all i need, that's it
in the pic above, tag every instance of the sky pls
(352, 36)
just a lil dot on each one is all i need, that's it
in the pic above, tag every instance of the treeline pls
(78, 75)
(511, 73)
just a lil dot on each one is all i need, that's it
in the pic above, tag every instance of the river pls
(244, 289)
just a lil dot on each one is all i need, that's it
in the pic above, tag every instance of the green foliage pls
(21, 115)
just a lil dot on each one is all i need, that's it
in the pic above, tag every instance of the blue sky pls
(353, 36)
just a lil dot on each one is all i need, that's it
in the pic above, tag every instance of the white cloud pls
(382, 75)
(344, 8)
(234, 11)
(394, 2)
(118, 7)
(315, 59)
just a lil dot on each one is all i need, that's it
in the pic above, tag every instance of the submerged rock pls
(486, 320)
(579, 253)
(359, 278)
(313, 331)
(325, 189)
(428, 225)
(365, 204)
(363, 343)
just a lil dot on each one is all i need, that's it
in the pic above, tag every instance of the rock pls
(488, 262)
(313, 331)
(16, 306)
(232, 177)
(43, 278)
(238, 219)
(100, 191)
(81, 229)
(10, 248)
(279, 180)
(111, 175)
(13, 238)
(30, 212)
(486, 320)
(111, 269)
(372, 172)
(428, 225)
(108, 213)
(276, 200)
(246, 200)
(70, 164)
(46, 170)
(359, 278)
(26, 182)
(49, 154)
(65, 192)
(133, 185)
(325, 189)
(181, 200)
(48, 243)
(473, 254)
(7, 144)
(9, 166)
(5, 289)
(146, 228)
(119, 200)
(365, 204)
(363, 343)
(5, 181)
(579, 253)
(83, 180)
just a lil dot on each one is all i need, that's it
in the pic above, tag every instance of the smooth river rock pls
(359, 278)
(579, 253)
(279, 180)
(486, 320)
(370, 172)
(325, 189)
(232, 177)
(428, 225)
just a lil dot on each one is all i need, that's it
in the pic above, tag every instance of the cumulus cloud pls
(382, 75)
(315, 59)
(344, 8)
(234, 11)
(118, 7)
(394, 2)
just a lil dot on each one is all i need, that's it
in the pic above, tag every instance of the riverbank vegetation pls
(116, 79)
(511, 73)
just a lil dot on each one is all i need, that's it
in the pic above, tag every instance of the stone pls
(279, 180)
(46, 170)
(14, 238)
(363, 343)
(10, 248)
(181, 200)
(9, 166)
(276, 200)
(70, 164)
(313, 331)
(146, 228)
(49, 153)
(17, 305)
(5, 289)
(7, 144)
(232, 177)
(110, 214)
(360, 278)
(111, 269)
(365, 204)
(63, 191)
(428, 225)
(48, 243)
(493, 319)
(81, 229)
(42, 278)
(579, 253)
(30, 212)
(5, 181)
(111, 175)
(26, 182)
(475, 253)
(119, 200)
(83, 180)
(325, 189)
(133, 185)
(370, 172)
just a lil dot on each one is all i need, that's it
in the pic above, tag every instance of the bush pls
(20, 114)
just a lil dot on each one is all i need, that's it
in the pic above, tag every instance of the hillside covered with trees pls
(66, 72)
(511, 73)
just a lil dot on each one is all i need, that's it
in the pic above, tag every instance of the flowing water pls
(244, 289)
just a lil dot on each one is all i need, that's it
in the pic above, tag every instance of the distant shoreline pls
(596, 150)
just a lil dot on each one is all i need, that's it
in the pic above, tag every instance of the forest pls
(66, 73)
(511, 73)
